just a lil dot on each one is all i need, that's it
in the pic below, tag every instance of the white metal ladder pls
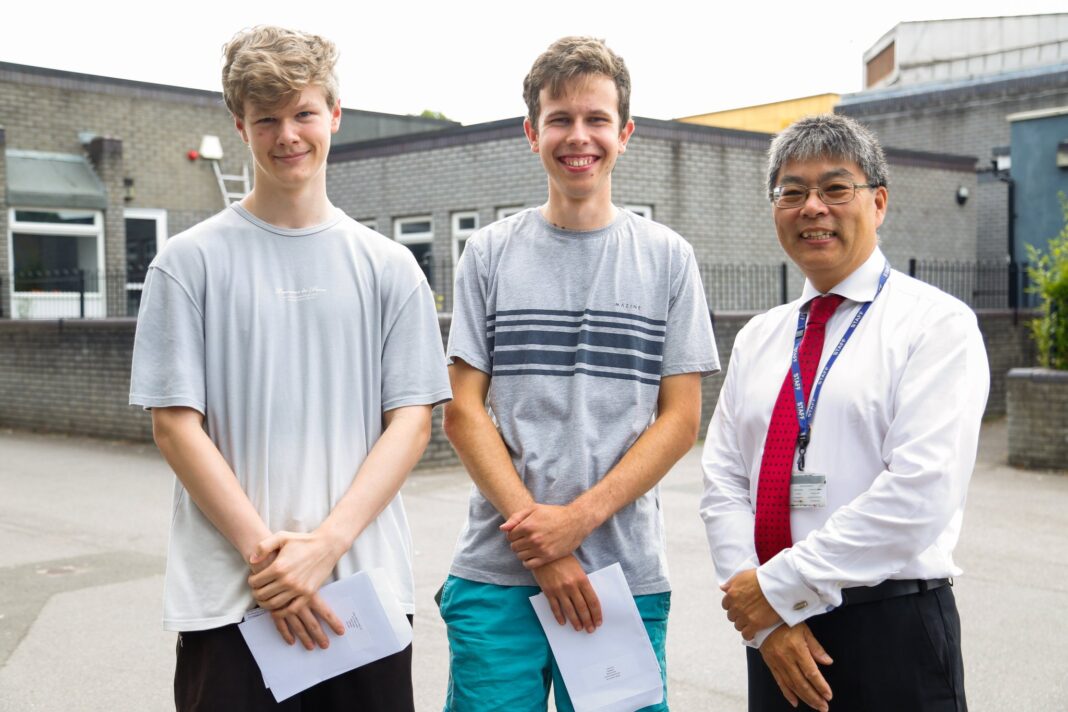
(231, 196)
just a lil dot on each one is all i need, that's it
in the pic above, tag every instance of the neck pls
(292, 209)
(580, 215)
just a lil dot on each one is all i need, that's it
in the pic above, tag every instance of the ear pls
(625, 134)
(335, 117)
(881, 196)
(532, 135)
(239, 124)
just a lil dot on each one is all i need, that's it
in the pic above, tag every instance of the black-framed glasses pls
(833, 192)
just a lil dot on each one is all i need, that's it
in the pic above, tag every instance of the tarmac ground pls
(83, 533)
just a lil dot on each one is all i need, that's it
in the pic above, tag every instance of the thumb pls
(513, 521)
(264, 548)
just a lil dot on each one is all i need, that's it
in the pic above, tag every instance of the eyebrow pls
(836, 173)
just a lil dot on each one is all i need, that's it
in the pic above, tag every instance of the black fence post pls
(1015, 270)
(783, 290)
(912, 267)
(81, 293)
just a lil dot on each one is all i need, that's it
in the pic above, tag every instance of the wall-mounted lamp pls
(962, 194)
(211, 148)
(128, 189)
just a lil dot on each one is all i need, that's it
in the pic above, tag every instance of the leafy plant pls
(1049, 277)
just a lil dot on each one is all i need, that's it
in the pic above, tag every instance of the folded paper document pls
(375, 626)
(613, 669)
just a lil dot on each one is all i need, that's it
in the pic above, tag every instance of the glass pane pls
(422, 256)
(467, 223)
(53, 262)
(140, 247)
(415, 227)
(65, 217)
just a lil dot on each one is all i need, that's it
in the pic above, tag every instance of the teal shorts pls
(499, 658)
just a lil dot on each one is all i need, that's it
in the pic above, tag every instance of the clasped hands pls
(544, 538)
(288, 568)
(791, 652)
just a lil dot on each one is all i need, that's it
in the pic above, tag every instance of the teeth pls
(578, 162)
(817, 235)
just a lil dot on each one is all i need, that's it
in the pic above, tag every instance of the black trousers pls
(898, 654)
(215, 672)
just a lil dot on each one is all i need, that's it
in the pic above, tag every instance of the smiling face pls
(579, 137)
(289, 144)
(829, 242)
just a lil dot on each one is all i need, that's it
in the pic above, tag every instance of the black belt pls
(891, 588)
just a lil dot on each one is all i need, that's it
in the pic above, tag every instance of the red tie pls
(773, 488)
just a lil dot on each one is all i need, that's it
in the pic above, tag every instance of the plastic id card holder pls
(808, 490)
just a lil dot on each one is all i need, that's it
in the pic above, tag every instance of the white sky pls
(467, 58)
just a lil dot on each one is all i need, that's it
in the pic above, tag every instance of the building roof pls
(36, 179)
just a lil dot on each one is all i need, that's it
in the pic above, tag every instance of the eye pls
(791, 192)
(305, 114)
(836, 189)
(265, 120)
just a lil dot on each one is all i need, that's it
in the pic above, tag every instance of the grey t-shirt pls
(292, 343)
(576, 329)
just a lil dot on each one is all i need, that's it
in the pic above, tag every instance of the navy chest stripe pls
(574, 338)
(576, 325)
(591, 312)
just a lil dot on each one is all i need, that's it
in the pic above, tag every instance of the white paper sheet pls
(375, 626)
(613, 669)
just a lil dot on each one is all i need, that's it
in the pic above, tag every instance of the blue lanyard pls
(805, 416)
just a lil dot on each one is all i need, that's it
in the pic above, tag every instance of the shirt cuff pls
(787, 592)
(761, 636)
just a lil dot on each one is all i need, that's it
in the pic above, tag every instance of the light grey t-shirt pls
(576, 329)
(292, 343)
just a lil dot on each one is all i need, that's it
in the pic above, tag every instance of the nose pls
(287, 131)
(813, 204)
(579, 132)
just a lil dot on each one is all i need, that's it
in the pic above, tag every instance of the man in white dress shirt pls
(837, 462)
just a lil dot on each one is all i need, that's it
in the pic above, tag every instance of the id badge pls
(808, 490)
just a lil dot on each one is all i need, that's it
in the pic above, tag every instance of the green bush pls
(1049, 277)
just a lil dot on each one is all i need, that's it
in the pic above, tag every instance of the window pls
(146, 230)
(57, 263)
(463, 225)
(646, 211)
(417, 234)
(509, 210)
(369, 223)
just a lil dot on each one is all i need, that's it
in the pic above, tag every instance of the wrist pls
(337, 541)
(586, 515)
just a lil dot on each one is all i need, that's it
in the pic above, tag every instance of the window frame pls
(459, 233)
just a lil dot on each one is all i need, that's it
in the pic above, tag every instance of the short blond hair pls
(570, 58)
(269, 66)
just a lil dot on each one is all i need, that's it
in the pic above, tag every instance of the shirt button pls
(800, 605)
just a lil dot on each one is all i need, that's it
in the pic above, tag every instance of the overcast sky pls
(467, 59)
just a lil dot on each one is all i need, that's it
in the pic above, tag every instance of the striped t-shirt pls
(576, 329)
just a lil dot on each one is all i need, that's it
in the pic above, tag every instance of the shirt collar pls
(860, 286)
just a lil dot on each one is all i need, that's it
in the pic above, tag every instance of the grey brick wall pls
(74, 376)
(969, 122)
(1038, 418)
(5, 301)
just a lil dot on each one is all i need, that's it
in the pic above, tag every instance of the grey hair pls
(827, 136)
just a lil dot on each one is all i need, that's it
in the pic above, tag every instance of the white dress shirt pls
(895, 433)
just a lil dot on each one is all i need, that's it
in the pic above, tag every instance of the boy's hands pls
(570, 594)
(288, 568)
(541, 533)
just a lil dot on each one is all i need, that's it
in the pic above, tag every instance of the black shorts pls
(216, 672)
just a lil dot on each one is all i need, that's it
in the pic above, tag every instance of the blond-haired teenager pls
(291, 358)
(584, 329)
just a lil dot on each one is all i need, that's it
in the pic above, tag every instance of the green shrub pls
(1049, 277)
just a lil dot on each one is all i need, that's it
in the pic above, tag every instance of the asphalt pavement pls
(83, 534)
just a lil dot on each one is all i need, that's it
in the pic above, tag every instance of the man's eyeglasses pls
(834, 192)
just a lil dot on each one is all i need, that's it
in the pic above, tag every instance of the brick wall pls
(74, 376)
(1038, 423)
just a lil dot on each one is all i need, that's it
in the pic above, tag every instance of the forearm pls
(207, 477)
(485, 456)
(380, 477)
(651, 456)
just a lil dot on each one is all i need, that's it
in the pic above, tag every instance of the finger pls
(280, 624)
(725, 604)
(534, 563)
(582, 610)
(786, 691)
(324, 611)
(592, 602)
(817, 650)
(516, 517)
(279, 600)
(568, 607)
(272, 543)
(297, 626)
(558, 612)
(815, 678)
(798, 681)
(311, 624)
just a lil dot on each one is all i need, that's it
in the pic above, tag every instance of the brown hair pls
(567, 59)
(270, 66)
